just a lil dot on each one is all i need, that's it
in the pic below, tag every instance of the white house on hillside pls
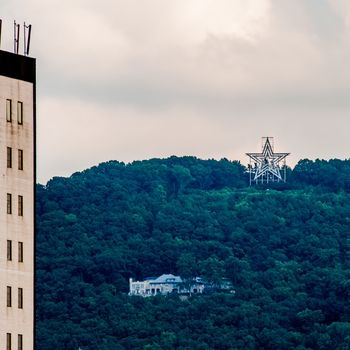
(165, 284)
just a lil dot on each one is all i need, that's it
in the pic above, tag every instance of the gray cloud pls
(136, 79)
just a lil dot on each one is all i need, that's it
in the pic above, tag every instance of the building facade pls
(17, 192)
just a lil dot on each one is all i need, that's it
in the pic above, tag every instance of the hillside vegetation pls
(286, 250)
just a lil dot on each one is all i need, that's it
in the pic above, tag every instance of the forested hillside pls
(285, 248)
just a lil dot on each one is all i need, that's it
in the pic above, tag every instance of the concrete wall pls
(14, 227)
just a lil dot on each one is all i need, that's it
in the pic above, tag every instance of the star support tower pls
(267, 167)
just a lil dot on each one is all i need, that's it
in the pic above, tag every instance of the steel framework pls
(267, 165)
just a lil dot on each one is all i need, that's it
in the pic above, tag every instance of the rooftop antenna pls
(27, 32)
(0, 31)
(16, 28)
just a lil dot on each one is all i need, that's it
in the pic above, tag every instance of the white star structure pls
(267, 162)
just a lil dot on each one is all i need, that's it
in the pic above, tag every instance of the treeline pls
(285, 248)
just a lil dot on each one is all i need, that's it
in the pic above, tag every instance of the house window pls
(9, 250)
(9, 110)
(8, 341)
(20, 112)
(20, 342)
(9, 203)
(20, 251)
(9, 157)
(20, 159)
(9, 297)
(20, 205)
(20, 298)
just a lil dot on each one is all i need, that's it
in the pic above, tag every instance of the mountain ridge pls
(285, 248)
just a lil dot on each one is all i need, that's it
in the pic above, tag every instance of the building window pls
(20, 112)
(9, 110)
(20, 298)
(9, 297)
(8, 341)
(20, 251)
(9, 250)
(20, 159)
(20, 205)
(20, 342)
(9, 157)
(9, 203)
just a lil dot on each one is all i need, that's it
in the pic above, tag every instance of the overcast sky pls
(137, 79)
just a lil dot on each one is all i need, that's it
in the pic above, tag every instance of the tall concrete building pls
(17, 192)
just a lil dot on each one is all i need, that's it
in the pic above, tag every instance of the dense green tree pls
(284, 247)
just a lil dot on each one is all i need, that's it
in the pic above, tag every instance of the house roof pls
(167, 279)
